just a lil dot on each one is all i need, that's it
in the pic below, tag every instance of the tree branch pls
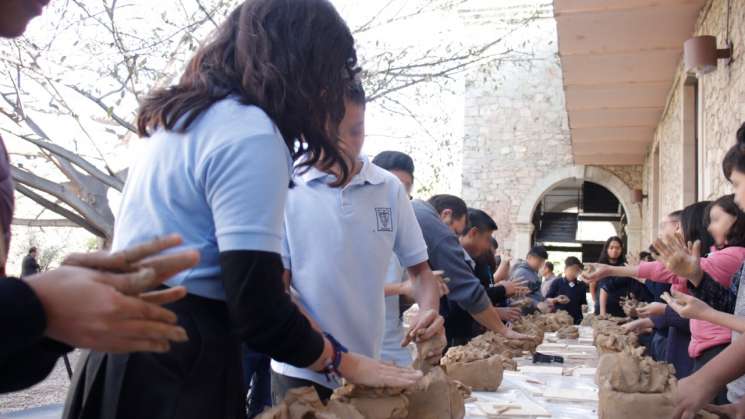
(58, 191)
(109, 110)
(75, 218)
(32, 222)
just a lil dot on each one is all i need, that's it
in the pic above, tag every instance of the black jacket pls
(26, 356)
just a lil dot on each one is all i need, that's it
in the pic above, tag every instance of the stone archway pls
(524, 228)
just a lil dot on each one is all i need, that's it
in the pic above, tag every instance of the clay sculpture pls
(474, 367)
(423, 349)
(632, 385)
(568, 332)
(374, 403)
(437, 396)
(304, 403)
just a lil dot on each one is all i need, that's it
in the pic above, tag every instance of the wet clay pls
(494, 343)
(568, 332)
(304, 403)
(374, 403)
(615, 342)
(632, 385)
(437, 396)
(422, 350)
(474, 367)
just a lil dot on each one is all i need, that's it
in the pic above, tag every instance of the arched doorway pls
(628, 218)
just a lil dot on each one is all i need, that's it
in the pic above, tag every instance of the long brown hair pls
(291, 58)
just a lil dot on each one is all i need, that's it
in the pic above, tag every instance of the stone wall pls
(722, 95)
(516, 128)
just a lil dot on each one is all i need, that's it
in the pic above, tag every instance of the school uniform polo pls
(215, 185)
(338, 245)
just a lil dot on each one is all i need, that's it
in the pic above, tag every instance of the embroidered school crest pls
(384, 219)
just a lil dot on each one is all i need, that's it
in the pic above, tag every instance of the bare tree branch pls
(32, 222)
(75, 218)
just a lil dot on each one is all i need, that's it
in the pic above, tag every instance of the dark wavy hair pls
(604, 253)
(693, 223)
(735, 157)
(293, 59)
(736, 234)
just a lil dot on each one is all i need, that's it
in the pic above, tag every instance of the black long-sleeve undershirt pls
(26, 356)
(263, 312)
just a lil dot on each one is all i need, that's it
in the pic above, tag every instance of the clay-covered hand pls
(729, 411)
(639, 326)
(652, 309)
(562, 299)
(427, 324)
(514, 287)
(146, 255)
(84, 309)
(359, 369)
(691, 396)
(680, 258)
(687, 306)
(594, 272)
(509, 314)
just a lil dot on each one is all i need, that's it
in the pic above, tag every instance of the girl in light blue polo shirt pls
(261, 92)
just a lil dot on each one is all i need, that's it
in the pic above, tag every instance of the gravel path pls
(50, 391)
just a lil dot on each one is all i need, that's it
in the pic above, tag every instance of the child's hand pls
(691, 396)
(729, 411)
(652, 309)
(680, 258)
(687, 306)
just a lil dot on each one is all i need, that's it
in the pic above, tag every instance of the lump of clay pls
(374, 403)
(508, 364)
(436, 396)
(615, 342)
(304, 403)
(568, 332)
(423, 349)
(494, 343)
(632, 385)
(474, 367)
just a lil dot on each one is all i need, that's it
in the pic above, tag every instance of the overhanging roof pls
(619, 59)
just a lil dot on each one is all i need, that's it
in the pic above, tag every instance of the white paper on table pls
(571, 395)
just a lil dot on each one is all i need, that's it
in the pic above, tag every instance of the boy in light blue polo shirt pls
(338, 244)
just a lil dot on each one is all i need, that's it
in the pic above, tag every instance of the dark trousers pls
(281, 384)
(257, 380)
(202, 378)
(706, 356)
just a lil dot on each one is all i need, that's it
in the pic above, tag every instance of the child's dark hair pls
(605, 259)
(356, 93)
(693, 223)
(549, 266)
(573, 261)
(735, 157)
(479, 220)
(539, 252)
(451, 202)
(293, 59)
(395, 160)
(736, 233)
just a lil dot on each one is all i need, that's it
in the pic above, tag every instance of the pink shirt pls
(721, 265)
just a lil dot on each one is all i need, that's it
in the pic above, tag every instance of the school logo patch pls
(384, 219)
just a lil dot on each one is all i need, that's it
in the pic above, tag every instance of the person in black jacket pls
(460, 327)
(30, 265)
(570, 287)
(85, 302)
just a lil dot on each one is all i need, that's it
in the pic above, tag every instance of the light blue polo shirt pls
(222, 185)
(338, 245)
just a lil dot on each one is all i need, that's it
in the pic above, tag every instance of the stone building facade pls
(670, 179)
(517, 144)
